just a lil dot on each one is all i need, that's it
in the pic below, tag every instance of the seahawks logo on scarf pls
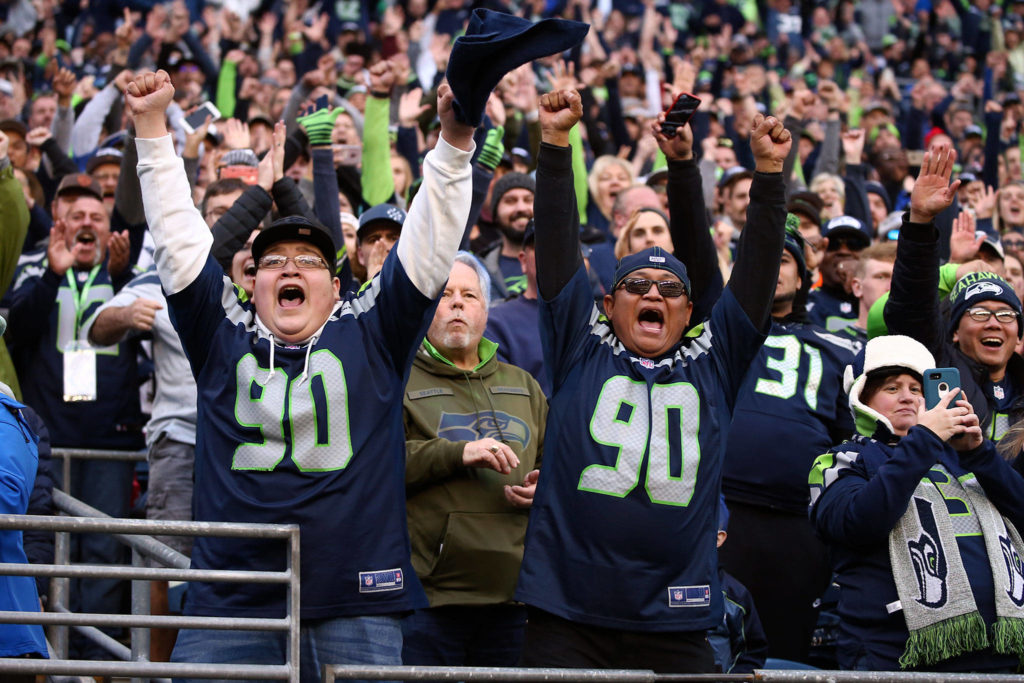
(928, 558)
(1014, 571)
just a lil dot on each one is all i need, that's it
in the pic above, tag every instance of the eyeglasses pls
(670, 289)
(982, 315)
(1013, 244)
(302, 261)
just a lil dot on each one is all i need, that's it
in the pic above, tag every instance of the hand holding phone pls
(198, 117)
(937, 383)
(679, 114)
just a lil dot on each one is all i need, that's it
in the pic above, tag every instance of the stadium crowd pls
(440, 282)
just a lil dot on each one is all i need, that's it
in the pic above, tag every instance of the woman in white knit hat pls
(920, 514)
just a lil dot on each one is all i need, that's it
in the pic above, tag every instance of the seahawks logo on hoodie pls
(497, 425)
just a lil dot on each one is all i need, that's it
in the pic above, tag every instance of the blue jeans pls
(456, 635)
(342, 640)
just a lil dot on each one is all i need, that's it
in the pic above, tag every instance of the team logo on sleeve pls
(498, 425)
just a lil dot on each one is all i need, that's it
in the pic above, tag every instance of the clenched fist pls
(770, 142)
(147, 97)
(559, 111)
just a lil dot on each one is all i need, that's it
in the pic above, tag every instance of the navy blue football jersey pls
(791, 409)
(622, 530)
(46, 314)
(291, 440)
(827, 310)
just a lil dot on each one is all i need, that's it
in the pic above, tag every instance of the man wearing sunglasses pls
(620, 567)
(831, 306)
(983, 325)
(300, 402)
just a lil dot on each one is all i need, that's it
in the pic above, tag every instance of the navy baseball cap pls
(382, 213)
(652, 257)
(849, 227)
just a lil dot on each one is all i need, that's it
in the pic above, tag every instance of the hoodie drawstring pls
(273, 368)
(309, 350)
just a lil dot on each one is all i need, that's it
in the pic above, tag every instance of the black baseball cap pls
(298, 228)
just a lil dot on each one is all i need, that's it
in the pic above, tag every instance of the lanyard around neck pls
(80, 297)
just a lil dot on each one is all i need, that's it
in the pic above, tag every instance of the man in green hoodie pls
(474, 430)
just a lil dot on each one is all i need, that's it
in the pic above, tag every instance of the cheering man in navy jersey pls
(300, 403)
(620, 568)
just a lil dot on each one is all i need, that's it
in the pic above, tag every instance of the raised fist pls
(770, 142)
(559, 111)
(147, 97)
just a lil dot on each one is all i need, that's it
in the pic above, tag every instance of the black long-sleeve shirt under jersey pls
(754, 276)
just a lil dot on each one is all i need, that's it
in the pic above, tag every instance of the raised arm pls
(691, 232)
(913, 305)
(556, 217)
(181, 235)
(436, 220)
(757, 261)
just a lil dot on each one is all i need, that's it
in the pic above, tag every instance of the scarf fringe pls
(950, 638)
(1008, 636)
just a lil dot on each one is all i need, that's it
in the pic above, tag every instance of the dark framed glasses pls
(670, 289)
(982, 315)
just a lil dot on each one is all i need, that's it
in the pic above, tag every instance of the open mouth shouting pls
(651, 320)
(291, 296)
(85, 237)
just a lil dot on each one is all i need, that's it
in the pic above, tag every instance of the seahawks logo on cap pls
(982, 288)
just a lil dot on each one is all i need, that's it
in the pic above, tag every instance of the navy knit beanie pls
(974, 288)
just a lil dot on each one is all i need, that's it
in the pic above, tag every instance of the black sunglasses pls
(670, 289)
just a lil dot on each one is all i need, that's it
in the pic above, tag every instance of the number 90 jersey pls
(316, 440)
(622, 531)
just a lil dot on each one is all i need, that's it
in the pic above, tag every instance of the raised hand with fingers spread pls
(933, 192)
(963, 240)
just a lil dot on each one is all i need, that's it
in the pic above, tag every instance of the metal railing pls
(520, 675)
(136, 533)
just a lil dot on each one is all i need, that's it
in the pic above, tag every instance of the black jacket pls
(914, 310)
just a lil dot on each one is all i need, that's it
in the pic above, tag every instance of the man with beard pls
(87, 396)
(511, 210)
(790, 408)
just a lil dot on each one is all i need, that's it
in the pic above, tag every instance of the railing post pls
(60, 593)
(294, 608)
(140, 605)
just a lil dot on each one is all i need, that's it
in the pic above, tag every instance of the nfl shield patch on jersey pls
(689, 596)
(382, 580)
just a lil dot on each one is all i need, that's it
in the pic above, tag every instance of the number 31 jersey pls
(791, 409)
(622, 530)
(306, 434)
